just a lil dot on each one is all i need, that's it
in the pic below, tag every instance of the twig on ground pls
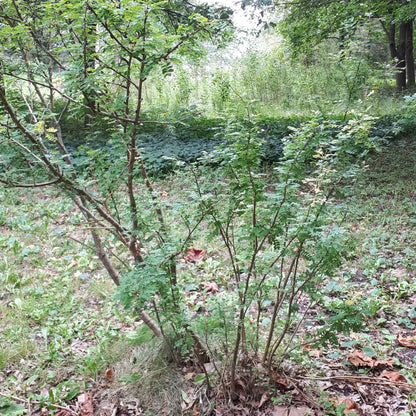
(29, 402)
(308, 398)
(366, 380)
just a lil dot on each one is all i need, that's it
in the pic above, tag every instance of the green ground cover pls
(162, 146)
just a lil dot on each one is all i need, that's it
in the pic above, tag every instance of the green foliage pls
(221, 93)
(309, 25)
(164, 147)
(407, 120)
(8, 408)
(53, 303)
(279, 239)
(269, 234)
(384, 240)
(144, 283)
(328, 79)
(79, 70)
(185, 142)
(83, 105)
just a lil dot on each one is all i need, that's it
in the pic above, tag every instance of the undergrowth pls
(61, 330)
(164, 146)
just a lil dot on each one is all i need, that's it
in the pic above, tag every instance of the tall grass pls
(325, 80)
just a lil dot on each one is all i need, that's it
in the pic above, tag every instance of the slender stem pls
(288, 316)
(236, 353)
(280, 296)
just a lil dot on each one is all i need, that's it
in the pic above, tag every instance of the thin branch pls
(25, 149)
(29, 185)
(112, 35)
(36, 39)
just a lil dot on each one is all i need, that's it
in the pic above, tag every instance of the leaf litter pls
(408, 342)
(360, 359)
(195, 255)
(85, 403)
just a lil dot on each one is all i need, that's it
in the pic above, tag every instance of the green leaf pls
(369, 352)
(200, 378)
(349, 344)
(185, 397)
(72, 393)
(12, 410)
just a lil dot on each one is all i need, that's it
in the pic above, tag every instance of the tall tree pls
(308, 22)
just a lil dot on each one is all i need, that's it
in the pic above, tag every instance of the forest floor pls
(67, 348)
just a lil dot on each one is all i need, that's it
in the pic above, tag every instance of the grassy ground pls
(61, 332)
(381, 277)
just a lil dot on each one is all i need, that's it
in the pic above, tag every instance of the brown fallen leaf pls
(292, 411)
(408, 342)
(311, 351)
(399, 273)
(350, 405)
(86, 404)
(240, 383)
(210, 286)
(359, 359)
(264, 398)
(195, 255)
(281, 385)
(280, 411)
(300, 411)
(394, 376)
(109, 374)
(186, 406)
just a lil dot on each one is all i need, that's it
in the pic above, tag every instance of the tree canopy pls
(306, 23)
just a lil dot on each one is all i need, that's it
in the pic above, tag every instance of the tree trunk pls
(391, 37)
(401, 58)
(410, 63)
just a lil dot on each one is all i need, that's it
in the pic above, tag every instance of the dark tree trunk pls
(391, 37)
(410, 63)
(401, 58)
(402, 53)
